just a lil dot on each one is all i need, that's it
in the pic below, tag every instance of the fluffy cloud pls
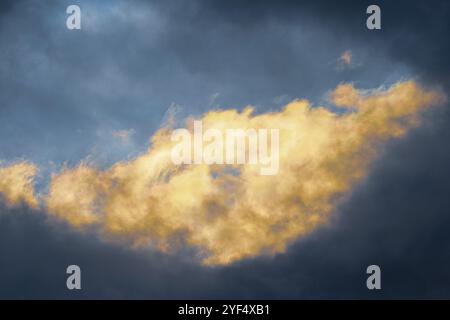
(230, 215)
(16, 183)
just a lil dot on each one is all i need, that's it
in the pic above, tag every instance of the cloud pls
(16, 184)
(345, 60)
(346, 57)
(229, 216)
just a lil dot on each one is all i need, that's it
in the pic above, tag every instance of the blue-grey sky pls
(68, 90)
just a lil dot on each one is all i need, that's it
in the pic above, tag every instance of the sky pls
(78, 109)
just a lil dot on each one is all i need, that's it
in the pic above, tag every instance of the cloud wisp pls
(228, 215)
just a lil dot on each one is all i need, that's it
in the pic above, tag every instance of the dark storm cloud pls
(248, 52)
(414, 32)
(397, 220)
(36, 252)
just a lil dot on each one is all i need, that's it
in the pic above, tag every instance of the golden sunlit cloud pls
(16, 184)
(226, 214)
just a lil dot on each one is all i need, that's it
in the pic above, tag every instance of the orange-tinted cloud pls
(227, 215)
(345, 60)
(16, 184)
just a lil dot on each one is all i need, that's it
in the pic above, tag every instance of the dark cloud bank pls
(398, 218)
